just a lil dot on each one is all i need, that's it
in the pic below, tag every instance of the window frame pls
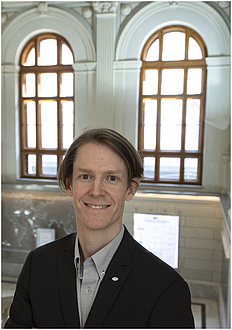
(161, 65)
(59, 69)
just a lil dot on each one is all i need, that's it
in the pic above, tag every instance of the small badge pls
(115, 278)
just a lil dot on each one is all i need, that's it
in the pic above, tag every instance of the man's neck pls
(91, 241)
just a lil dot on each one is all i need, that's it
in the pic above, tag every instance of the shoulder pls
(147, 263)
(66, 243)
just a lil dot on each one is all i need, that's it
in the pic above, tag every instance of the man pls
(100, 277)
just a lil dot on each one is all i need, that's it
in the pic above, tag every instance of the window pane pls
(193, 112)
(194, 81)
(171, 124)
(169, 168)
(48, 84)
(150, 83)
(30, 61)
(172, 81)
(31, 124)
(48, 52)
(49, 124)
(31, 164)
(192, 125)
(66, 88)
(49, 164)
(28, 85)
(153, 51)
(150, 117)
(67, 56)
(149, 167)
(190, 169)
(67, 110)
(173, 46)
(194, 50)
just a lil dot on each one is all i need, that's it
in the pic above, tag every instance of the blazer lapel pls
(67, 284)
(115, 276)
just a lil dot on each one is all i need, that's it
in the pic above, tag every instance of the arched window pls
(46, 105)
(172, 103)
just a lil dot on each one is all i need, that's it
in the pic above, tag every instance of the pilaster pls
(105, 18)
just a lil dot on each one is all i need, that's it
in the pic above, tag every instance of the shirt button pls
(87, 290)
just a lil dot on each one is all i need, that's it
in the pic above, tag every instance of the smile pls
(97, 206)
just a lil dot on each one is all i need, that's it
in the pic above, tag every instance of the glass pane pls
(49, 124)
(49, 164)
(31, 164)
(192, 125)
(172, 81)
(193, 112)
(171, 124)
(192, 138)
(66, 88)
(169, 168)
(190, 169)
(48, 52)
(68, 116)
(194, 81)
(173, 46)
(67, 56)
(150, 117)
(30, 61)
(149, 167)
(48, 84)
(31, 124)
(150, 83)
(194, 51)
(153, 51)
(28, 85)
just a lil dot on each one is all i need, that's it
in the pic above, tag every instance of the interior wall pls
(107, 39)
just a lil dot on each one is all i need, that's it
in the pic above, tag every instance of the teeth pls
(96, 206)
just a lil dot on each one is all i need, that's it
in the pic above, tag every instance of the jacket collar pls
(67, 283)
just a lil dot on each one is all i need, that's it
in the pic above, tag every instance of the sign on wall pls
(159, 234)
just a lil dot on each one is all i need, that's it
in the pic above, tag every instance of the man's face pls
(99, 188)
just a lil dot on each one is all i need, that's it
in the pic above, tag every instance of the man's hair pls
(105, 136)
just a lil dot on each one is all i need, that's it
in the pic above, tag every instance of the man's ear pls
(68, 188)
(133, 187)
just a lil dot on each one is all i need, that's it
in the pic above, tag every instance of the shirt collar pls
(103, 257)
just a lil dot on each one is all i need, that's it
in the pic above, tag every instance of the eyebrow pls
(86, 170)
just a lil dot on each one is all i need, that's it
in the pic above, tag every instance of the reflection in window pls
(169, 168)
(47, 105)
(149, 167)
(190, 169)
(172, 101)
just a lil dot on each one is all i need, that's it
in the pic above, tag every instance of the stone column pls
(105, 19)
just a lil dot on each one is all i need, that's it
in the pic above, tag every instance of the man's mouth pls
(97, 206)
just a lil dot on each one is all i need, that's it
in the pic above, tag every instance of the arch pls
(194, 14)
(30, 23)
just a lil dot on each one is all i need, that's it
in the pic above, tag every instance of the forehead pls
(95, 154)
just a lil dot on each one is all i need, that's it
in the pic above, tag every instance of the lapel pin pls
(115, 278)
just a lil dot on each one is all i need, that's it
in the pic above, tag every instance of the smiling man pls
(99, 277)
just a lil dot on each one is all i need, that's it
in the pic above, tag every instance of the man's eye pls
(112, 178)
(85, 176)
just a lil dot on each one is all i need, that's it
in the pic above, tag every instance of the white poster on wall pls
(159, 234)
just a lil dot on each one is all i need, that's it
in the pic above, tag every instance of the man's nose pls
(97, 188)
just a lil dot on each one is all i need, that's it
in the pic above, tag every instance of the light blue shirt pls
(91, 273)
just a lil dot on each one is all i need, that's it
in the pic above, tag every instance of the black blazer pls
(148, 294)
